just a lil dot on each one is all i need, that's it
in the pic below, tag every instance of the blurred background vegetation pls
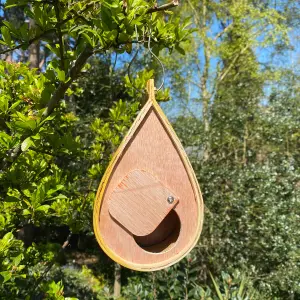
(66, 101)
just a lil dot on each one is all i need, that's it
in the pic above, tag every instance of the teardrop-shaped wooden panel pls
(151, 145)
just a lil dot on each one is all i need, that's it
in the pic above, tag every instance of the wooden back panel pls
(150, 145)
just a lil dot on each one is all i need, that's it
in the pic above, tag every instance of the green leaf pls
(53, 49)
(49, 118)
(4, 104)
(43, 208)
(2, 222)
(24, 32)
(6, 35)
(6, 240)
(60, 196)
(27, 143)
(27, 193)
(216, 287)
(123, 37)
(106, 18)
(6, 276)
(14, 105)
(36, 137)
(242, 286)
(29, 124)
(61, 75)
(11, 27)
(180, 50)
(26, 212)
(13, 3)
(11, 199)
(16, 261)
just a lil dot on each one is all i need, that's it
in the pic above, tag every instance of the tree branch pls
(223, 31)
(60, 36)
(166, 6)
(63, 86)
(225, 73)
(31, 41)
(196, 14)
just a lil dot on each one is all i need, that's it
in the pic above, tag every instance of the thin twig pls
(224, 74)
(72, 75)
(166, 6)
(60, 36)
(31, 41)
(223, 31)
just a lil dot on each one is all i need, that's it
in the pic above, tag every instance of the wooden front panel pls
(140, 202)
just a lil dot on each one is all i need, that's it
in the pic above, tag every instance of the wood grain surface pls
(139, 202)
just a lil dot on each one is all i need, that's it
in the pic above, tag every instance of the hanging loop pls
(152, 54)
(159, 61)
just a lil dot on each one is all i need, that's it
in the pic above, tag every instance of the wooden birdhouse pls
(148, 211)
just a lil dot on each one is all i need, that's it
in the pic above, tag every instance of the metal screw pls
(170, 199)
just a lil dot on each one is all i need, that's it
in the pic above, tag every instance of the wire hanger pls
(153, 55)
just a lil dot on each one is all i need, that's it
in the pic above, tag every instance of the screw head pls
(170, 199)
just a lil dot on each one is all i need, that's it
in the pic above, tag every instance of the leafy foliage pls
(47, 185)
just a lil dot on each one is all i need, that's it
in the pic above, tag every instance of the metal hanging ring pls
(153, 54)
(160, 62)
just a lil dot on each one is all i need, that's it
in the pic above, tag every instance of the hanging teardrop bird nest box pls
(148, 211)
